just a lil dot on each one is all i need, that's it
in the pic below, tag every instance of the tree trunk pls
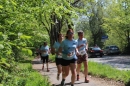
(128, 36)
(55, 29)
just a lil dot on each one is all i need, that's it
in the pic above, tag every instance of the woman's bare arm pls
(59, 50)
(86, 47)
(53, 51)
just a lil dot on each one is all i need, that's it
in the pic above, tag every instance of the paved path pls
(54, 82)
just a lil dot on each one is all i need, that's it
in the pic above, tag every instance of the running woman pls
(82, 57)
(45, 55)
(68, 48)
(58, 58)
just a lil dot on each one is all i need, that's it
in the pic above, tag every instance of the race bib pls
(44, 53)
(82, 52)
(60, 55)
(70, 55)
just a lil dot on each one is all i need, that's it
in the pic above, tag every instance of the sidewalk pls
(36, 64)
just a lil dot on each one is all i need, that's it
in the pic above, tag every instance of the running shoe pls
(72, 84)
(86, 80)
(62, 83)
(77, 77)
(48, 70)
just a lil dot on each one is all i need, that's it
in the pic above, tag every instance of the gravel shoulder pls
(94, 81)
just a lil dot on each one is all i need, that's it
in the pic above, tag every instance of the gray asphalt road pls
(117, 61)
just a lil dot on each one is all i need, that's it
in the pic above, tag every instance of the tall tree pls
(94, 20)
(53, 15)
(117, 22)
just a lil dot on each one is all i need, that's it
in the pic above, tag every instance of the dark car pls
(95, 51)
(111, 49)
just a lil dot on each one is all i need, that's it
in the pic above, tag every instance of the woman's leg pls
(86, 71)
(73, 72)
(85, 68)
(65, 70)
(43, 60)
(79, 61)
(58, 64)
(85, 62)
(47, 67)
(47, 57)
(78, 70)
(59, 68)
(65, 74)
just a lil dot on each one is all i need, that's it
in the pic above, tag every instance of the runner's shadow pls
(36, 62)
(60, 84)
(74, 83)
(78, 82)
(67, 84)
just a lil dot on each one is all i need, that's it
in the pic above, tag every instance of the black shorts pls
(37, 54)
(45, 59)
(58, 61)
(67, 62)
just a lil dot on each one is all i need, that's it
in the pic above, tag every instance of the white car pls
(111, 49)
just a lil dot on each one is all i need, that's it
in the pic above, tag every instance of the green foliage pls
(117, 23)
(91, 21)
(23, 75)
(26, 51)
(107, 17)
(37, 81)
(1, 47)
(52, 57)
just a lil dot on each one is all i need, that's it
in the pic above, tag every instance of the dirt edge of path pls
(108, 81)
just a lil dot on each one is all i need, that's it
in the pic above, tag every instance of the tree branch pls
(75, 2)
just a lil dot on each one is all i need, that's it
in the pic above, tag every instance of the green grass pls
(35, 79)
(106, 71)
(24, 75)
(52, 57)
(30, 77)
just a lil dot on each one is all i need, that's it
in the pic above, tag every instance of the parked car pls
(95, 51)
(111, 49)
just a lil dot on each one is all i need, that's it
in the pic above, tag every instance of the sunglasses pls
(70, 33)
